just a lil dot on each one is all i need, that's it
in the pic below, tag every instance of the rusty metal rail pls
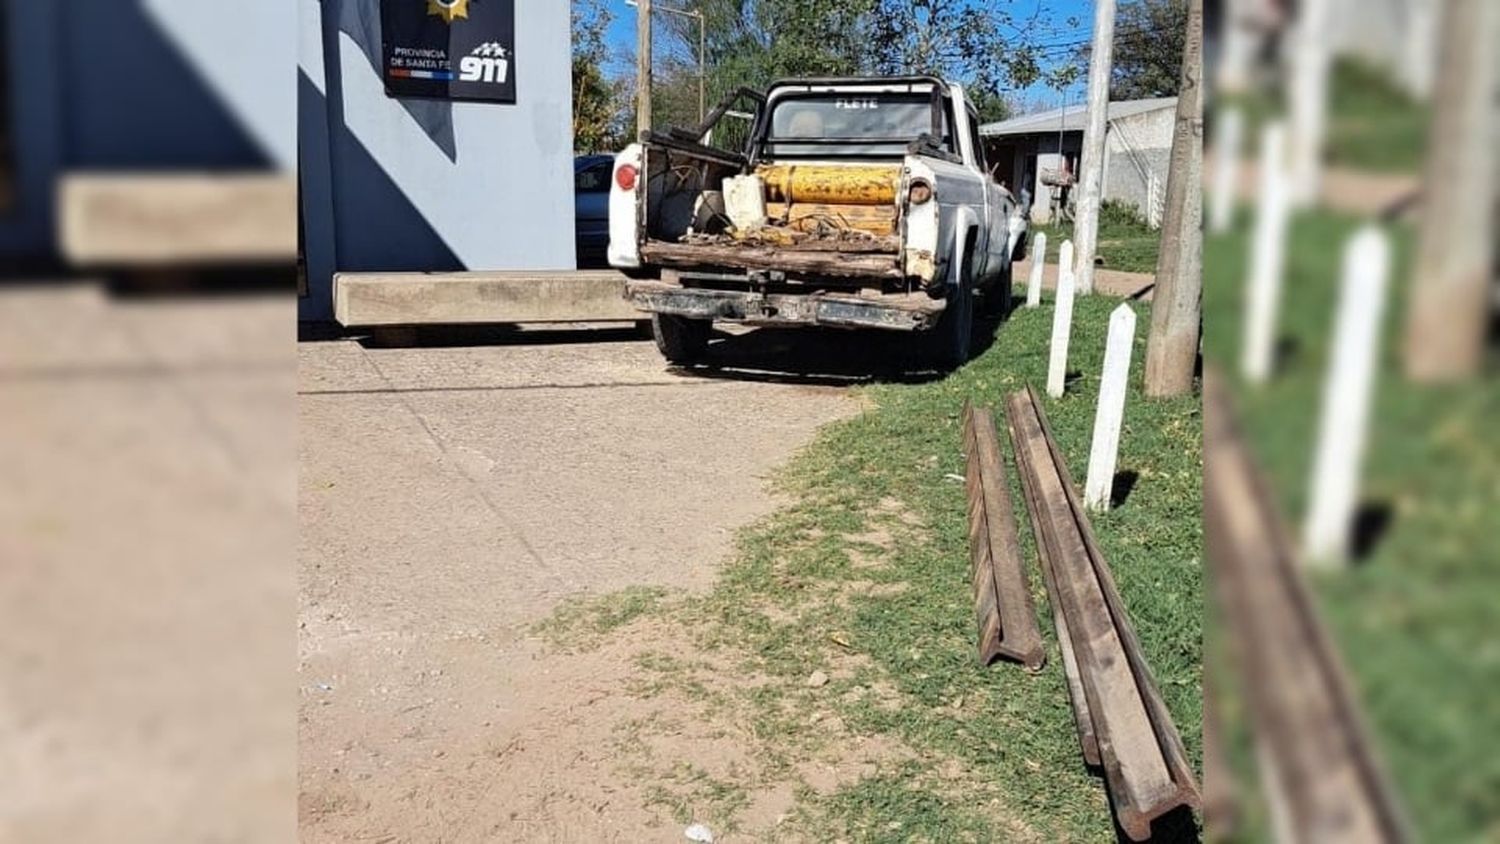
(1319, 771)
(1123, 722)
(1003, 609)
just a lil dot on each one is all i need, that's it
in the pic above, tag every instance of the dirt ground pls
(453, 495)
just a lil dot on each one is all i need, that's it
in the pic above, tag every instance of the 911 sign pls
(449, 49)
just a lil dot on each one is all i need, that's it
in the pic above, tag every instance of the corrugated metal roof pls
(1050, 121)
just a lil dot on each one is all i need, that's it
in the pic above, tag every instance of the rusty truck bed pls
(914, 311)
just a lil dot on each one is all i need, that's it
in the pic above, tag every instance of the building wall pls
(1138, 147)
(1135, 147)
(405, 184)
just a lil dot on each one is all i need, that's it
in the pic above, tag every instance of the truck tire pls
(680, 339)
(997, 297)
(949, 342)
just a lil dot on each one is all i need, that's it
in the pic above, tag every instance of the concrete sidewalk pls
(146, 532)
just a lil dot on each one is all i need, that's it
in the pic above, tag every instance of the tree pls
(956, 39)
(599, 103)
(753, 42)
(1149, 39)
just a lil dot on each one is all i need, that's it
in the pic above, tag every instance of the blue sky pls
(621, 36)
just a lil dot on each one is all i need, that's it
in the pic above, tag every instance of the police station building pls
(434, 135)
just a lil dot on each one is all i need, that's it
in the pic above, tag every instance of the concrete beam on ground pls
(177, 219)
(365, 300)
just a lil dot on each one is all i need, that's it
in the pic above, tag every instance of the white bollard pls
(1231, 129)
(1062, 327)
(1064, 261)
(1347, 391)
(1110, 414)
(1038, 263)
(1267, 258)
(1307, 99)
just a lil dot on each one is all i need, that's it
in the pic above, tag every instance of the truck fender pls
(623, 251)
(965, 228)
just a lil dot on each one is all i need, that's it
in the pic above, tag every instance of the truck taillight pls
(919, 192)
(625, 177)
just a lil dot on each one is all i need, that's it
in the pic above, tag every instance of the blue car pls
(591, 177)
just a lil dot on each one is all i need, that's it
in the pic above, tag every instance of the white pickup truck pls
(848, 202)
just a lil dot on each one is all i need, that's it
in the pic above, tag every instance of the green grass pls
(864, 575)
(579, 625)
(1415, 618)
(1126, 243)
(1372, 124)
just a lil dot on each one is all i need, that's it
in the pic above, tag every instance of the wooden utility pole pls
(643, 65)
(1091, 182)
(1446, 323)
(1172, 346)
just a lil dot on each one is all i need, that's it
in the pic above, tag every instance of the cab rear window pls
(838, 123)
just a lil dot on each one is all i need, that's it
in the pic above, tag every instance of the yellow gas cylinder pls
(858, 184)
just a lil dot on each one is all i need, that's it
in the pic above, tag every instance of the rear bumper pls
(894, 312)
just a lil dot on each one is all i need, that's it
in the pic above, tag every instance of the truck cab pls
(861, 203)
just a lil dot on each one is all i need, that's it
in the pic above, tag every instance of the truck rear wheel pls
(949, 342)
(996, 302)
(680, 339)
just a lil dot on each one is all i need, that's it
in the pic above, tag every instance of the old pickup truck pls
(847, 202)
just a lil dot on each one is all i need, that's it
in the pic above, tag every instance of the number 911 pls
(480, 69)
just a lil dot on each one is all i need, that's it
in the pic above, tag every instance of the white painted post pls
(1267, 258)
(1230, 131)
(1062, 327)
(1110, 414)
(1064, 261)
(1308, 100)
(1038, 263)
(1347, 391)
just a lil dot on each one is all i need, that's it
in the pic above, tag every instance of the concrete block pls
(174, 220)
(467, 298)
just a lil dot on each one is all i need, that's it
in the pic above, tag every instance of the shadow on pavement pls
(454, 336)
(824, 356)
(807, 356)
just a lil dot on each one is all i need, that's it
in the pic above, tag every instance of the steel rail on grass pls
(1122, 721)
(1003, 609)
(1320, 774)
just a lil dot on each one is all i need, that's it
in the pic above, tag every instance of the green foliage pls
(754, 42)
(954, 39)
(599, 103)
(1149, 40)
